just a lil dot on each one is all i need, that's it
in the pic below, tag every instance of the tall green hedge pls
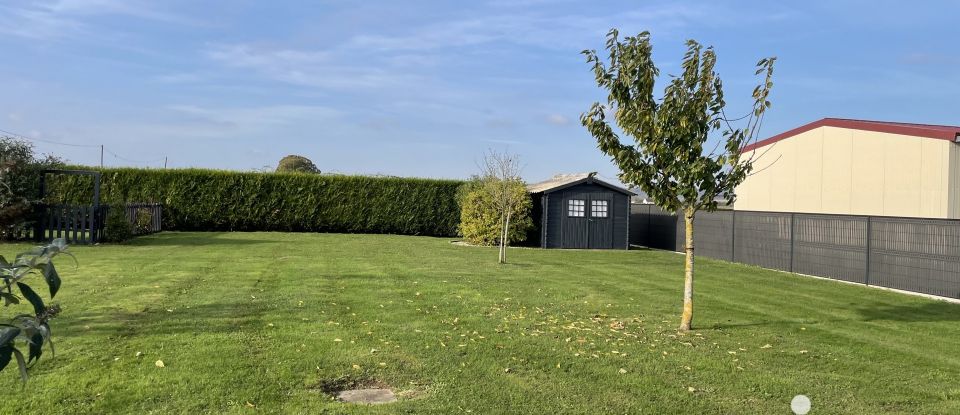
(212, 200)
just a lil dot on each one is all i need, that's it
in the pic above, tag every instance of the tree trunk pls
(504, 238)
(503, 221)
(686, 319)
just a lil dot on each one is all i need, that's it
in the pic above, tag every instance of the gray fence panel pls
(831, 246)
(921, 255)
(653, 227)
(712, 237)
(763, 238)
(640, 224)
(912, 254)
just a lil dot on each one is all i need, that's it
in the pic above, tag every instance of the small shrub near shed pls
(479, 217)
(116, 227)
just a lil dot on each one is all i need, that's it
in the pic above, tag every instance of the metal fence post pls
(866, 277)
(793, 232)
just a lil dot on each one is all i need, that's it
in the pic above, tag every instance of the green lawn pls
(263, 322)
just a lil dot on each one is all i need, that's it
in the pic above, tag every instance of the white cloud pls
(324, 69)
(253, 118)
(533, 29)
(558, 119)
(178, 78)
(59, 19)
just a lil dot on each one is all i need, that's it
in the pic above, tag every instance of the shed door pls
(600, 216)
(576, 224)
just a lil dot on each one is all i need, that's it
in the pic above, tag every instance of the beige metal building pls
(856, 167)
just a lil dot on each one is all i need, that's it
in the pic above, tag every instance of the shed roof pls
(562, 181)
(940, 132)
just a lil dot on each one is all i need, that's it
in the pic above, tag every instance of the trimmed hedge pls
(213, 200)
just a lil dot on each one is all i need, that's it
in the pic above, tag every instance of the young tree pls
(500, 174)
(668, 159)
(480, 213)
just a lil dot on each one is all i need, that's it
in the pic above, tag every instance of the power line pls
(134, 161)
(47, 141)
(101, 146)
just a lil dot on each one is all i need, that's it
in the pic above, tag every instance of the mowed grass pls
(262, 322)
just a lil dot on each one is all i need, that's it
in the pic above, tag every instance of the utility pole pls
(101, 156)
(164, 162)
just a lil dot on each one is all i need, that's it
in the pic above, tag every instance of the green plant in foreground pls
(32, 330)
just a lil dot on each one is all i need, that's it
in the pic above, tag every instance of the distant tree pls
(295, 163)
(668, 159)
(20, 171)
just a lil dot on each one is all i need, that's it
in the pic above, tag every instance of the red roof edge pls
(939, 132)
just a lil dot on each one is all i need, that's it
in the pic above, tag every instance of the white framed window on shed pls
(598, 208)
(575, 208)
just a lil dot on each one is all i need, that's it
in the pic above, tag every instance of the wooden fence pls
(84, 224)
(146, 218)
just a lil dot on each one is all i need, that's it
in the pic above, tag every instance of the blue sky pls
(422, 88)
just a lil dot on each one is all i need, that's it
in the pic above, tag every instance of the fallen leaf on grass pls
(766, 346)
(622, 370)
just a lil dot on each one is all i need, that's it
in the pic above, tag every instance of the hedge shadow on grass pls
(923, 312)
(188, 240)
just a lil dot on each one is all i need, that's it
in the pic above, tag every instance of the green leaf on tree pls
(53, 278)
(32, 296)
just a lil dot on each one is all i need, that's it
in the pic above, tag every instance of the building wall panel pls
(847, 171)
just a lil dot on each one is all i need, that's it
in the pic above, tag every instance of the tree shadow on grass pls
(925, 312)
(772, 323)
(196, 239)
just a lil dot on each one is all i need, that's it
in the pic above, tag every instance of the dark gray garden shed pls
(580, 211)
